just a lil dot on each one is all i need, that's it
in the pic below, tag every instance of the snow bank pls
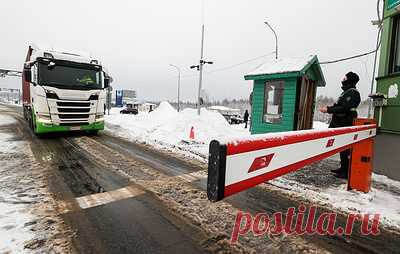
(139, 125)
(169, 129)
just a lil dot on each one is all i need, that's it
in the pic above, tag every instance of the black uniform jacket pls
(345, 109)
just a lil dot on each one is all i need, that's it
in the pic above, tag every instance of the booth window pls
(395, 55)
(273, 104)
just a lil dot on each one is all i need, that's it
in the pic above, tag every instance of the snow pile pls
(139, 125)
(169, 129)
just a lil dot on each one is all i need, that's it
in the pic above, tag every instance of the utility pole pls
(200, 68)
(179, 84)
(378, 42)
(276, 38)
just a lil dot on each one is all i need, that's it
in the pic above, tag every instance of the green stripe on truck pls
(46, 128)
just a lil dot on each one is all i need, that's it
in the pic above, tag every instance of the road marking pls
(108, 197)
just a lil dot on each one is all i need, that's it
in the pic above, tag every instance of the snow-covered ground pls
(10, 102)
(13, 210)
(28, 221)
(165, 128)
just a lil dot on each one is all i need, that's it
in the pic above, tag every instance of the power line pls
(217, 70)
(241, 63)
(356, 56)
(348, 58)
(233, 65)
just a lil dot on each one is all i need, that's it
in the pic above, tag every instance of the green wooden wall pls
(258, 126)
(390, 121)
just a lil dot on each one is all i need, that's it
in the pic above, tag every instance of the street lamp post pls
(179, 84)
(276, 38)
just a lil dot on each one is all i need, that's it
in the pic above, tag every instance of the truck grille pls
(72, 113)
(73, 116)
(74, 124)
(72, 104)
(73, 110)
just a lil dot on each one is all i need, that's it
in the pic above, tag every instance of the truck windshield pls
(70, 77)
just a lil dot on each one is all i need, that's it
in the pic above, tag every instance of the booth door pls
(306, 104)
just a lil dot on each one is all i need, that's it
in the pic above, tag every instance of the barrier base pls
(361, 163)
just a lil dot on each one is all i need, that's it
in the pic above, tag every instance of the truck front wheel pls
(93, 132)
(30, 120)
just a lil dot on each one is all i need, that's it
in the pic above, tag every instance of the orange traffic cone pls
(191, 135)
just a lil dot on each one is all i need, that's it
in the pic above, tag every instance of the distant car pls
(233, 119)
(236, 119)
(130, 111)
(227, 117)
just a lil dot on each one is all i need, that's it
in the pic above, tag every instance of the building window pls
(395, 56)
(273, 104)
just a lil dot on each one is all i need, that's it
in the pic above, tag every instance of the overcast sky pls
(137, 40)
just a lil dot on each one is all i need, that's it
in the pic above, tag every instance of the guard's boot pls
(342, 175)
(337, 171)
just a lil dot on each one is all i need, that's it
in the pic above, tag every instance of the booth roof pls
(289, 67)
(283, 65)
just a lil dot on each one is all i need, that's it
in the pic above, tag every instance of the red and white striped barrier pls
(238, 165)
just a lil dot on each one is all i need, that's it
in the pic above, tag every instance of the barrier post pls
(361, 163)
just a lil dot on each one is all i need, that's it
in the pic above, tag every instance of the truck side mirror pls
(106, 82)
(27, 75)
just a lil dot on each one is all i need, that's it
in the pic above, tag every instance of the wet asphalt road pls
(142, 224)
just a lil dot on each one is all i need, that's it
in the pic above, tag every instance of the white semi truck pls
(63, 91)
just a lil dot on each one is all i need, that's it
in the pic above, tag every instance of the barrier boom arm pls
(237, 165)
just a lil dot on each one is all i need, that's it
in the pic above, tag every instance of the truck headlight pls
(94, 96)
(51, 94)
(44, 118)
(48, 55)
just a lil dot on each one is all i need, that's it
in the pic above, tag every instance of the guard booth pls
(284, 93)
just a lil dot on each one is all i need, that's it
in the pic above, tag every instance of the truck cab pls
(63, 91)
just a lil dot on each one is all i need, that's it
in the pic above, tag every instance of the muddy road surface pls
(121, 197)
(129, 220)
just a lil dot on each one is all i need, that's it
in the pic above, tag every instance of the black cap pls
(352, 78)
